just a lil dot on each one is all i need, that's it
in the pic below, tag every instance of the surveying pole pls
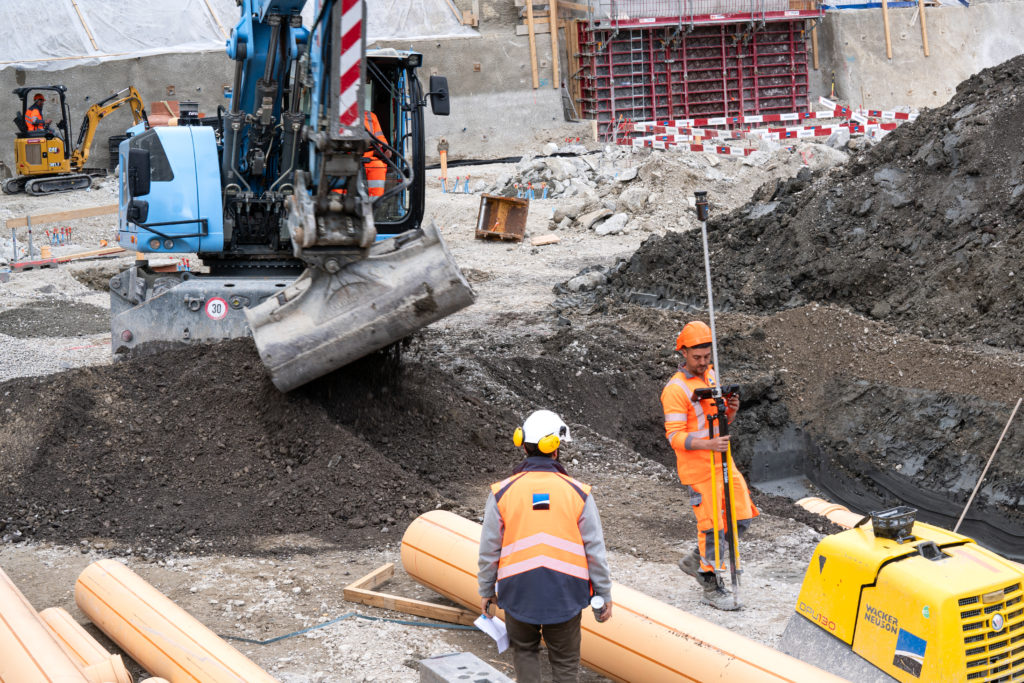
(718, 394)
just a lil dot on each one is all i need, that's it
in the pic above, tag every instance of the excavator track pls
(54, 184)
(14, 185)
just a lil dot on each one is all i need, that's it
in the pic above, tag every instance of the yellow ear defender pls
(549, 444)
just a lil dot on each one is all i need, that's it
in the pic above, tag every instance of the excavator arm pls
(96, 113)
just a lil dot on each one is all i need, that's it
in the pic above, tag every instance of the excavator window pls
(160, 167)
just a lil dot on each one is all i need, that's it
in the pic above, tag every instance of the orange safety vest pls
(685, 419)
(376, 169)
(543, 576)
(34, 119)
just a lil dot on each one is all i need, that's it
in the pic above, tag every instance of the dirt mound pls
(924, 230)
(196, 446)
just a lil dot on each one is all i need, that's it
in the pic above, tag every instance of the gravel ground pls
(285, 581)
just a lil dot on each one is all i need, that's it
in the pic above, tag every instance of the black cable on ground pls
(348, 615)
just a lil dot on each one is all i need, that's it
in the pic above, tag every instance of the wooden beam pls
(814, 45)
(42, 218)
(419, 608)
(533, 44)
(885, 22)
(555, 73)
(361, 591)
(375, 578)
(106, 251)
(924, 29)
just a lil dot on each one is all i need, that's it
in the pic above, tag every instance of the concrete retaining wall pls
(196, 76)
(961, 41)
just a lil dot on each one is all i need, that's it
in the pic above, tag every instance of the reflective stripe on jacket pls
(686, 420)
(543, 575)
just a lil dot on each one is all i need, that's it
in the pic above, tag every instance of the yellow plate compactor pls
(902, 600)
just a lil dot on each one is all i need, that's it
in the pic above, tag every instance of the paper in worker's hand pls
(495, 628)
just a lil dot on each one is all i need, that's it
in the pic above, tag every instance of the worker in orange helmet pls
(34, 115)
(686, 428)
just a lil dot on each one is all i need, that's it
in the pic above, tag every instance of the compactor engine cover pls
(921, 604)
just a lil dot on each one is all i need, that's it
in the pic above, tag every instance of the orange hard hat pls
(694, 333)
(38, 96)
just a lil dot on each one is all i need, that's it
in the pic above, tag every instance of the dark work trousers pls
(563, 643)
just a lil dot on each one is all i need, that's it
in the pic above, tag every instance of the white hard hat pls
(545, 429)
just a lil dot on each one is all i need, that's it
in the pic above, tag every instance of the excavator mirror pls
(138, 172)
(440, 103)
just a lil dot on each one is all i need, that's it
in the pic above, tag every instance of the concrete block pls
(459, 667)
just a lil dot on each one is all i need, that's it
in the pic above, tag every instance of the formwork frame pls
(649, 68)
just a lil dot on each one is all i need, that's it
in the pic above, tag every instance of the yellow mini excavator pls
(45, 161)
(899, 600)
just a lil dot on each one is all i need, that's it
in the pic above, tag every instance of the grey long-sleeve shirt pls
(593, 544)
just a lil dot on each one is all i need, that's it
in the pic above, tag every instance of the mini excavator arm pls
(96, 113)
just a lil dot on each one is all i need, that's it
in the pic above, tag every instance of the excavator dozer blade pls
(324, 321)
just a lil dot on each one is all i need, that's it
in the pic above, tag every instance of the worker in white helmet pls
(542, 548)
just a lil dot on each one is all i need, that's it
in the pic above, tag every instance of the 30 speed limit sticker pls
(216, 308)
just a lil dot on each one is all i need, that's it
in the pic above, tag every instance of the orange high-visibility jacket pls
(686, 420)
(34, 119)
(542, 570)
(376, 169)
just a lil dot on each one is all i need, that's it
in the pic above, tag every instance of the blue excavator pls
(303, 199)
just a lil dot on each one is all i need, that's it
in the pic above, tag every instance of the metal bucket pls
(324, 321)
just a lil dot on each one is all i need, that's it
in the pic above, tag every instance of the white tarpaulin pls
(59, 34)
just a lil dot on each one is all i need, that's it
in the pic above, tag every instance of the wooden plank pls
(556, 75)
(60, 216)
(533, 43)
(541, 240)
(107, 251)
(374, 578)
(924, 28)
(885, 22)
(814, 45)
(419, 608)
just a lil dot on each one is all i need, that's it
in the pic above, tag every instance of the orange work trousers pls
(701, 497)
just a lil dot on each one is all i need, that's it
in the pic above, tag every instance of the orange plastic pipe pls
(646, 640)
(166, 640)
(837, 514)
(98, 665)
(28, 651)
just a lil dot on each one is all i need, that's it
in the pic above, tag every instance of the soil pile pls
(196, 445)
(924, 230)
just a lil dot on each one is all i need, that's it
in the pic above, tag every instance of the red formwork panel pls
(704, 70)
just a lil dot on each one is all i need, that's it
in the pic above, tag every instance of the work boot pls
(718, 598)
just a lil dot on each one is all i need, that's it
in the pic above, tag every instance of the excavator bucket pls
(323, 321)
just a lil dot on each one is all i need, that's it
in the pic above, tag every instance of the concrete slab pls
(459, 667)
